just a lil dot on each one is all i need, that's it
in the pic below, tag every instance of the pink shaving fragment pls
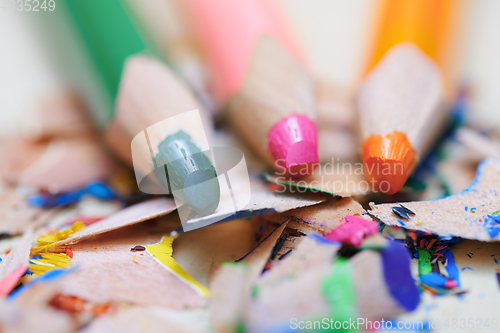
(353, 230)
(10, 281)
(450, 284)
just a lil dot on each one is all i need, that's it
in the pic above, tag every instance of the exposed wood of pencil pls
(403, 93)
(275, 87)
(150, 93)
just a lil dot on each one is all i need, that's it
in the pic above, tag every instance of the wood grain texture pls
(464, 214)
(257, 258)
(17, 216)
(140, 212)
(109, 272)
(231, 292)
(324, 217)
(262, 200)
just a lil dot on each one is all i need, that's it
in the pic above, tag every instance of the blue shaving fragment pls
(448, 241)
(496, 261)
(38, 200)
(323, 240)
(69, 198)
(451, 267)
(47, 277)
(397, 275)
(402, 223)
(491, 224)
(97, 189)
(466, 208)
(434, 279)
(467, 267)
(101, 191)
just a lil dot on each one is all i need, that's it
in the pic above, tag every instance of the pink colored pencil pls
(257, 73)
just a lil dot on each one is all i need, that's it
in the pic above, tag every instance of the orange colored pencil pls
(427, 23)
(401, 99)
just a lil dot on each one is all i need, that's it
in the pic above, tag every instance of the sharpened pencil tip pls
(388, 161)
(292, 143)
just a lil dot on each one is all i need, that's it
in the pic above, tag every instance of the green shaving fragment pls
(234, 264)
(495, 213)
(240, 327)
(338, 290)
(426, 249)
(424, 262)
(368, 247)
(255, 291)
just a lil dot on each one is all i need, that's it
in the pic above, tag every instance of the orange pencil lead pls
(388, 161)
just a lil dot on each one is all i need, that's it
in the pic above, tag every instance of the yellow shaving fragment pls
(52, 256)
(44, 243)
(162, 252)
(48, 262)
